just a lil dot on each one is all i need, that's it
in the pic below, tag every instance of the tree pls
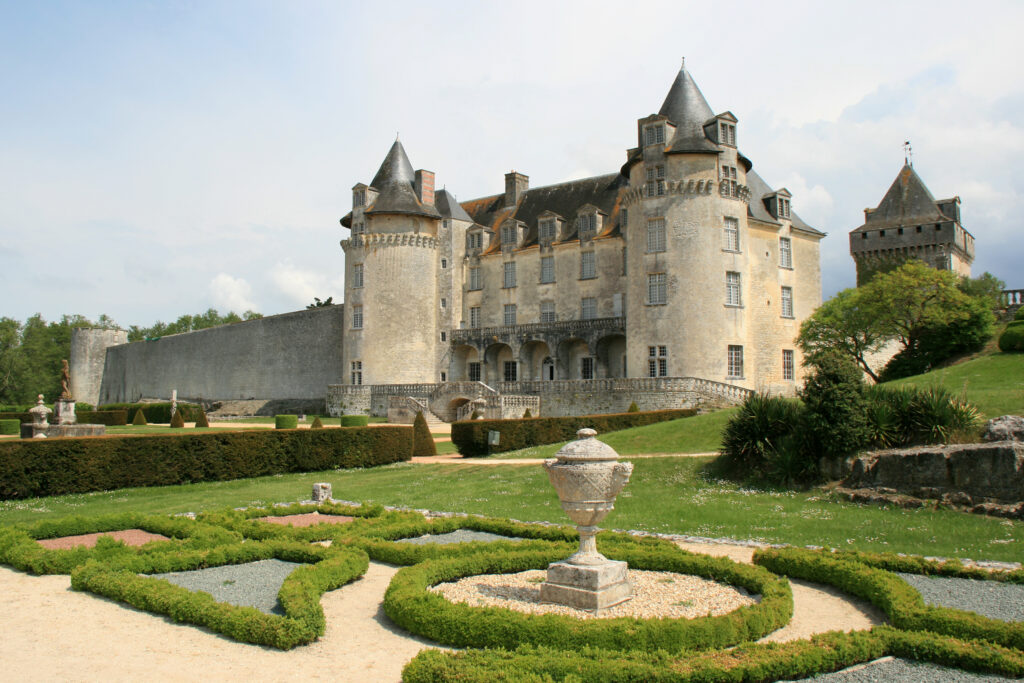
(835, 407)
(848, 324)
(11, 361)
(329, 301)
(189, 323)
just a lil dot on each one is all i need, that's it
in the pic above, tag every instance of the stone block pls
(1005, 428)
(593, 588)
(321, 492)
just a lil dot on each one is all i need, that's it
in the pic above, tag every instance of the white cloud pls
(231, 294)
(302, 285)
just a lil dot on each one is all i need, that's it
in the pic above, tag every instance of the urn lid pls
(586, 449)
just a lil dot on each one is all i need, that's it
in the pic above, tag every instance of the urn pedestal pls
(587, 477)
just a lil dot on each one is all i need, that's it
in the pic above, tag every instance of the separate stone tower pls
(88, 356)
(910, 223)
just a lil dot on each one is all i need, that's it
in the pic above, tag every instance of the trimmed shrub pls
(177, 421)
(111, 418)
(633, 408)
(286, 422)
(422, 440)
(47, 467)
(140, 418)
(202, 420)
(16, 415)
(354, 420)
(835, 423)
(159, 413)
(470, 438)
(1019, 315)
(317, 424)
(1012, 339)
(10, 427)
(527, 414)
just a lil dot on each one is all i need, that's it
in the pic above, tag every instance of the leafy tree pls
(847, 323)
(11, 361)
(188, 323)
(329, 301)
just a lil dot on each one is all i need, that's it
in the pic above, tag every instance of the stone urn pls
(587, 476)
(39, 414)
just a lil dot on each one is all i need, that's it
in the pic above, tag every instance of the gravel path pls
(655, 594)
(889, 670)
(307, 519)
(1004, 601)
(254, 584)
(458, 536)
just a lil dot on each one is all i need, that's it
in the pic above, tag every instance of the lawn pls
(994, 383)
(697, 434)
(669, 495)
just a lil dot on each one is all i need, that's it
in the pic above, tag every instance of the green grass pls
(668, 495)
(697, 434)
(994, 383)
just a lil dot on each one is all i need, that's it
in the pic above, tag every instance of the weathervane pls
(908, 153)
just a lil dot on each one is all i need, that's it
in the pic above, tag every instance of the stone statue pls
(65, 382)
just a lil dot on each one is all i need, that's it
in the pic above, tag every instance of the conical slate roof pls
(449, 207)
(686, 107)
(395, 181)
(908, 202)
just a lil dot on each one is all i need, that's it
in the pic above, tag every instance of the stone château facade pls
(683, 263)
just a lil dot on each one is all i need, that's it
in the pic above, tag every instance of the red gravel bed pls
(129, 536)
(308, 519)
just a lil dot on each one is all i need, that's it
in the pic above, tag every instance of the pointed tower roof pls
(686, 107)
(449, 207)
(907, 202)
(395, 181)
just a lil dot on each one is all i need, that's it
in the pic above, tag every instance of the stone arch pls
(495, 358)
(462, 356)
(571, 352)
(611, 356)
(531, 359)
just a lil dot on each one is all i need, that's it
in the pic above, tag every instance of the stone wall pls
(985, 472)
(288, 356)
(88, 354)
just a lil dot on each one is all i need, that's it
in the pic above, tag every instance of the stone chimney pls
(425, 187)
(516, 185)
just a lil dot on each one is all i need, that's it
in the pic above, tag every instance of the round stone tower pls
(88, 358)
(391, 305)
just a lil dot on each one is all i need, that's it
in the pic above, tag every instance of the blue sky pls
(161, 158)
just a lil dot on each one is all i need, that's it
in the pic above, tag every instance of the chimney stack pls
(516, 185)
(425, 187)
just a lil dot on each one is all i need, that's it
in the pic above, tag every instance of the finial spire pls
(908, 153)
(683, 65)
(396, 136)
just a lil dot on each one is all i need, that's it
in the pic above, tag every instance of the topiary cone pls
(202, 420)
(177, 422)
(140, 418)
(527, 414)
(422, 440)
(633, 408)
(317, 424)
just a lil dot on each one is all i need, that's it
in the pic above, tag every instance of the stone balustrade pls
(562, 329)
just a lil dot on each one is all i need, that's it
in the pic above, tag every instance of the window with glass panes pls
(657, 361)
(475, 278)
(358, 228)
(474, 316)
(587, 225)
(787, 364)
(732, 289)
(656, 293)
(731, 234)
(588, 265)
(727, 133)
(785, 252)
(547, 230)
(655, 235)
(727, 176)
(511, 373)
(359, 198)
(357, 275)
(508, 235)
(474, 240)
(587, 367)
(357, 317)
(547, 311)
(783, 207)
(474, 371)
(510, 314)
(547, 269)
(510, 274)
(357, 372)
(655, 180)
(787, 302)
(588, 308)
(735, 368)
(654, 135)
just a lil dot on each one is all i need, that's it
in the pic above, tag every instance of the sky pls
(162, 158)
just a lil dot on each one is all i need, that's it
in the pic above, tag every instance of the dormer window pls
(508, 235)
(547, 229)
(656, 180)
(358, 198)
(587, 225)
(474, 240)
(784, 208)
(727, 133)
(654, 135)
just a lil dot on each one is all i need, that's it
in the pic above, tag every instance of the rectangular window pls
(655, 235)
(357, 276)
(588, 308)
(735, 370)
(655, 181)
(474, 316)
(475, 281)
(357, 372)
(787, 302)
(511, 371)
(787, 364)
(547, 311)
(359, 198)
(657, 361)
(732, 289)
(727, 186)
(357, 317)
(508, 235)
(510, 314)
(783, 207)
(444, 376)
(656, 293)
(547, 269)
(474, 372)
(587, 225)
(474, 240)
(786, 252)
(588, 265)
(358, 228)
(726, 133)
(510, 274)
(444, 304)
(587, 367)
(444, 336)
(547, 230)
(731, 236)
(654, 135)
(444, 263)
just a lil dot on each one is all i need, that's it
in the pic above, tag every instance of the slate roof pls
(686, 107)
(395, 181)
(757, 209)
(449, 207)
(908, 202)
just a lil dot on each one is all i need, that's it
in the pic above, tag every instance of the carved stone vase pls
(587, 476)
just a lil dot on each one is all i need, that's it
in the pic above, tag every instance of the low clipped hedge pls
(96, 417)
(156, 412)
(10, 427)
(410, 605)
(470, 438)
(47, 467)
(246, 522)
(286, 422)
(915, 564)
(355, 420)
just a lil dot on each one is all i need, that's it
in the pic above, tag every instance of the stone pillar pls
(321, 492)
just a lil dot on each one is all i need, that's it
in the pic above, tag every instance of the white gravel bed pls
(655, 594)
(254, 584)
(1004, 601)
(889, 670)
(458, 536)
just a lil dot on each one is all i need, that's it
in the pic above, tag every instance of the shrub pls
(527, 414)
(47, 467)
(157, 412)
(177, 421)
(10, 427)
(202, 420)
(110, 418)
(286, 422)
(422, 440)
(1012, 339)
(834, 422)
(317, 424)
(140, 418)
(633, 408)
(1019, 315)
(16, 415)
(354, 420)
(756, 431)
(470, 438)
(908, 416)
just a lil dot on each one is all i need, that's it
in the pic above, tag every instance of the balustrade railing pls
(557, 328)
(1012, 297)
